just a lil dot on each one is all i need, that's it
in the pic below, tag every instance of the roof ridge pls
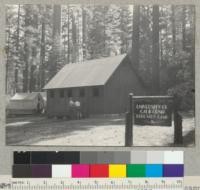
(85, 74)
(90, 60)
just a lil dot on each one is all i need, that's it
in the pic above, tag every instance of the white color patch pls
(61, 171)
(173, 157)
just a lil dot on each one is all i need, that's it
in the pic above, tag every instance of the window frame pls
(61, 93)
(69, 93)
(82, 92)
(52, 94)
(96, 91)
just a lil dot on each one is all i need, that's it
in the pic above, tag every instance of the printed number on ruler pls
(91, 184)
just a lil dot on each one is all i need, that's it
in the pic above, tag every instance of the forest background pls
(41, 39)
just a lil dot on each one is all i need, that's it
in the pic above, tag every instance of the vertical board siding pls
(121, 83)
(90, 105)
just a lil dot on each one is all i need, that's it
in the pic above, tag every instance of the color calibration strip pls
(98, 164)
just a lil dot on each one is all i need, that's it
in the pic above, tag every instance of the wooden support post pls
(131, 103)
(178, 128)
(127, 132)
(129, 124)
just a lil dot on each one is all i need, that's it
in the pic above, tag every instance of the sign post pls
(178, 132)
(129, 123)
(155, 111)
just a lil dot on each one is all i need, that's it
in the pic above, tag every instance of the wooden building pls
(101, 86)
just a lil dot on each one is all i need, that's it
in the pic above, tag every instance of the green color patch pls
(135, 170)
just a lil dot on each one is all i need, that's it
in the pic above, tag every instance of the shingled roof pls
(89, 73)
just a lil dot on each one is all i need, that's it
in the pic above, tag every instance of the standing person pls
(78, 110)
(71, 108)
(39, 107)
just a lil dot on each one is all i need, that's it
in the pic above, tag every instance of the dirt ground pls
(100, 131)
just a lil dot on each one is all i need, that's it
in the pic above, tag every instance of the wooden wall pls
(90, 105)
(121, 83)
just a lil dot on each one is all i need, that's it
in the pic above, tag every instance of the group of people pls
(74, 109)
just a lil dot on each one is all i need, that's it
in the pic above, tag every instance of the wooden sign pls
(153, 110)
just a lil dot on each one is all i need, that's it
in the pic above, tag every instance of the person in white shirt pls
(78, 110)
(71, 105)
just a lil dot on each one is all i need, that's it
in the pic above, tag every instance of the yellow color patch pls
(117, 170)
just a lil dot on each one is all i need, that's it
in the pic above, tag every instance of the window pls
(69, 93)
(95, 91)
(52, 94)
(82, 92)
(62, 93)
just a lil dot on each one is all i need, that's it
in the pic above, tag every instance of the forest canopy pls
(41, 39)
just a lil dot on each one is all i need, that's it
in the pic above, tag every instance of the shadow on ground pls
(30, 130)
(188, 140)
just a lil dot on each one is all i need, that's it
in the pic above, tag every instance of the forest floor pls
(100, 131)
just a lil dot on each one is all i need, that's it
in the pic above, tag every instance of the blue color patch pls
(154, 170)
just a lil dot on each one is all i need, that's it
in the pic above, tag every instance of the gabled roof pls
(89, 73)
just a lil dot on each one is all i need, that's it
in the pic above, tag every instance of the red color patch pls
(99, 170)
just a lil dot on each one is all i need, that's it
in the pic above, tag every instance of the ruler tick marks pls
(93, 184)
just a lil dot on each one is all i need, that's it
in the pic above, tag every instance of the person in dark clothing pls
(78, 110)
(71, 109)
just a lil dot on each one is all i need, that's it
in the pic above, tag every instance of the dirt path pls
(90, 132)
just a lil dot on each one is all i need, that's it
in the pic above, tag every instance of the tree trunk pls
(74, 39)
(42, 55)
(68, 34)
(84, 30)
(34, 53)
(183, 27)
(26, 50)
(16, 80)
(7, 62)
(56, 40)
(78, 40)
(18, 27)
(17, 49)
(136, 36)
(123, 41)
(104, 31)
(173, 32)
(192, 28)
(155, 62)
(32, 79)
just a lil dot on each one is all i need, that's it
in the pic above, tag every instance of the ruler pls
(93, 184)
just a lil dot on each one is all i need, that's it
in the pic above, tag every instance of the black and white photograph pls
(100, 75)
